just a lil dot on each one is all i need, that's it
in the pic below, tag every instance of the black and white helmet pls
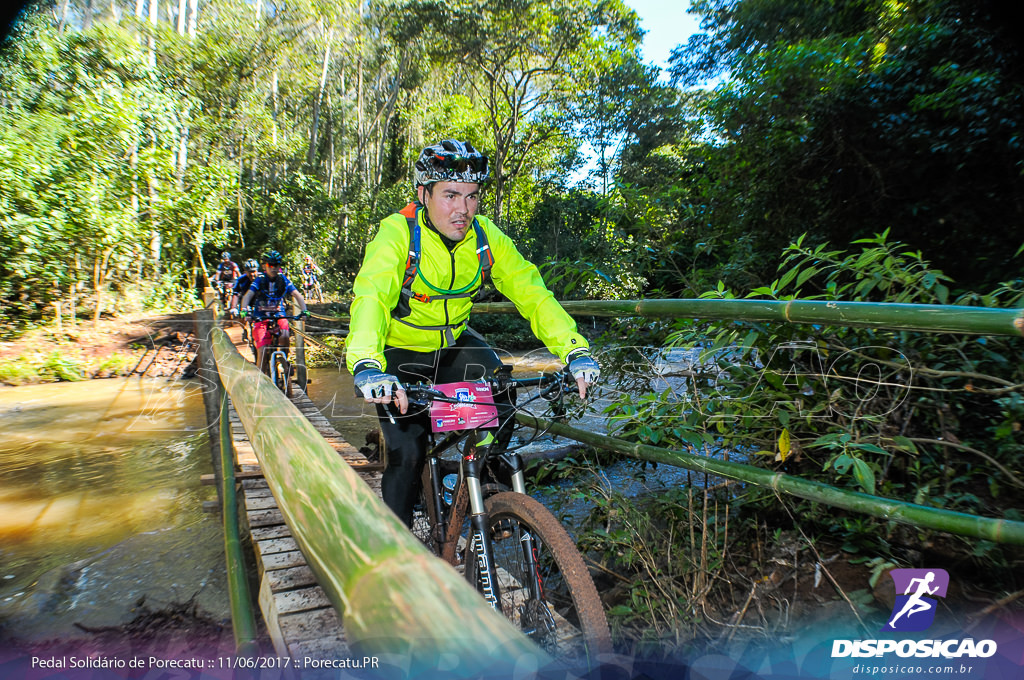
(251, 265)
(451, 161)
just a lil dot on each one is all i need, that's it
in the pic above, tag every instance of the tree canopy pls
(138, 139)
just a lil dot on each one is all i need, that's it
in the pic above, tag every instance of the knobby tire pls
(568, 587)
(281, 377)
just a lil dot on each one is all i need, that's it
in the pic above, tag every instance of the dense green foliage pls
(834, 149)
(135, 148)
(844, 118)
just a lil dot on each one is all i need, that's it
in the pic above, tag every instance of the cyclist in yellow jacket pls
(413, 296)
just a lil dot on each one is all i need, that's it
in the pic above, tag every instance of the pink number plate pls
(475, 408)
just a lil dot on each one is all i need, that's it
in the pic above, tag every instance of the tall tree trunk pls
(99, 273)
(193, 17)
(318, 102)
(154, 16)
(139, 4)
(273, 100)
(182, 156)
(360, 126)
(241, 184)
(87, 15)
(342, 233)
(330, 146)
(341, 131)
(182, 12)
(115, 12)
(155, 240)
(273, 129)
(62, 15)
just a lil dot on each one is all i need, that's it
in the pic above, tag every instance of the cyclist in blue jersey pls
(226, 274)
(265, 301)
(250, 270)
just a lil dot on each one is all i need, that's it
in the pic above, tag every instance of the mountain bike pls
(281, 370)
(224, 292)
(477, 516)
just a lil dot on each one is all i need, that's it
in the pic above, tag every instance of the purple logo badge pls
(915, 605)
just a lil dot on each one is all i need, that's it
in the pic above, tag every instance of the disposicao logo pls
(914, 610)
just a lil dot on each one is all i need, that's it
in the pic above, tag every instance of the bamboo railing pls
(894, 316)
(243, 620)
(394, 597)
(891, 315)
(995, 530)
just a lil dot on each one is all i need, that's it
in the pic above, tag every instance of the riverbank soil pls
(114, 346)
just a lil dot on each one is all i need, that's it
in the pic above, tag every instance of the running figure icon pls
(915, 604)
(915, 609)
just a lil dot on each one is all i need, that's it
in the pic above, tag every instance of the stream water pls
(101, 505)
(101, 502)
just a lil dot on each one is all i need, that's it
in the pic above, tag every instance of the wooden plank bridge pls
(299, 617)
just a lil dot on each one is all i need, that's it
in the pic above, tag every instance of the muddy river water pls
(101, 503)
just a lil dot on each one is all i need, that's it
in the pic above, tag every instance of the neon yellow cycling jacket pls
(378, 287)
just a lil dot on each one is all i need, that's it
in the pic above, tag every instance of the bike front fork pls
(482, 545)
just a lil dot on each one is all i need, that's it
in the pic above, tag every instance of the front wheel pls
(279, 372)
(545, 588)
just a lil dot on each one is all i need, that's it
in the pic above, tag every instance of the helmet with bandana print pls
(451, 161)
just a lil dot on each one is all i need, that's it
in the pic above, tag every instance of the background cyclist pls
(409, 323)
(250, 269)
(265, 301)
(226, 275)
(310, 273)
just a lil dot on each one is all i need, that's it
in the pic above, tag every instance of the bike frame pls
(471, 468)
(279, 351)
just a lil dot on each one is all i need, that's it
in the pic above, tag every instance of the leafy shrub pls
(58, 367)
(923, 417)
(17, 372)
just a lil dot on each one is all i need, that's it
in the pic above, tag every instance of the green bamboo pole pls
(242, 618)
(890, 315)
(996, 530)
(394, 596)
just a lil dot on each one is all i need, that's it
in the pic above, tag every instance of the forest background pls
(865, 150)
(140, 139)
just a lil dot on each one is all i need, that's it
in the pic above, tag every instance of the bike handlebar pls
(255, 316)
(422, 394)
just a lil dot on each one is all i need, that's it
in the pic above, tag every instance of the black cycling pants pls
(406, 441)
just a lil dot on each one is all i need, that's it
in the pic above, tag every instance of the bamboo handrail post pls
(203, 325)
(242, 618)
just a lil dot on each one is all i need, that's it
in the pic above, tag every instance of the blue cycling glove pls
(582, 365)
(374, 383)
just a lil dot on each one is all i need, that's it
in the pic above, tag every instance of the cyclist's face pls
(272, 269)
(452, 207)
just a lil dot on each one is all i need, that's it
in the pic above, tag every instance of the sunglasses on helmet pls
(459, 163)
